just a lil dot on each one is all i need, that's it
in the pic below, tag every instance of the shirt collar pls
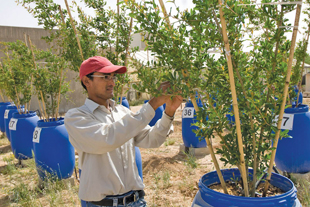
(93, 105)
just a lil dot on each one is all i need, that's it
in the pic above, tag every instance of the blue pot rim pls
(50, 123)
(15, 107)
(5, 103)
(21, 116)
(302, 108)
(189, 103)
(220, 195)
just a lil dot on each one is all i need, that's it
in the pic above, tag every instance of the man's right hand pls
(172, 104)
(156, 102)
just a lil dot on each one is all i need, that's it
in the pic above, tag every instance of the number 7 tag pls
(287, 121)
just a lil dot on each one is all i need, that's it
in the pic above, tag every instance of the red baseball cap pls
(101, 65)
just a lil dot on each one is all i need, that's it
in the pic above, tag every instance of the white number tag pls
(6, 113)
(13, 124)
(287, 121)
(36, 135)
(188, 112)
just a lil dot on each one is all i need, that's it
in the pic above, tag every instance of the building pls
(77, 96)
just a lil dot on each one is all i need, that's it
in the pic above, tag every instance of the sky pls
(12, 14)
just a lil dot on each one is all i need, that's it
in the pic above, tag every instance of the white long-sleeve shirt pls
(105, 142)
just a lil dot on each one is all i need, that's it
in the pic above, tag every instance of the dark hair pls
(88, 76)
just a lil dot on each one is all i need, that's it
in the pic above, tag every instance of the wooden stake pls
(25, 36)
(116, 52)
(62, 15)
(44, 109)
(28, 108)
(165, 12)
(41, 110)
(61, 74)
(235, 102)
(285, 92)
(126, 58)
(117, 28)
(30, 91)
(74, 29)
(193, 99)
(17, 95)
(58, 101)
(35, 66)
(128, 42)
(273, 69)
(303, 65)
(2, 98)
(252, 192)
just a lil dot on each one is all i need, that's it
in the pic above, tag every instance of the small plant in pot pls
(17, 75)
(257, 87)
(54, 155)
(297, 117)
(252, 86)
(106, 33)
(4, 100)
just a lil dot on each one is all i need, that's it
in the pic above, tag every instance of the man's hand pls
(172, 102)
(158, 101)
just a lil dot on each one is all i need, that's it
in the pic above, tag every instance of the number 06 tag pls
(188, 112)
(287, 121)
(6, 113)
(36, 135)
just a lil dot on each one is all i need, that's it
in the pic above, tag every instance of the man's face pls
(101, 87)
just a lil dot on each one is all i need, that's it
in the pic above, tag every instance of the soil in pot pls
(235, 188)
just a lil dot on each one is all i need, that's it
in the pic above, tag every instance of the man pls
(105, 134)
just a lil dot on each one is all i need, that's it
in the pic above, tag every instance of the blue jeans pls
(139, 203)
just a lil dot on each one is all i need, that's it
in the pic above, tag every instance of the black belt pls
(121, 200)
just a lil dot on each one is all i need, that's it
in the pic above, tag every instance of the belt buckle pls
(136, 196)
(124, 199)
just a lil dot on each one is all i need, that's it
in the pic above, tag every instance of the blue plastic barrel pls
(207, 197)
(125, 102)
(137, 153)
(158, 114)
(293, 154)
(22, 127)
(188, 118)
(139, 162)
(3, 107)
(8, 113)
(54, 154)
(231, 117)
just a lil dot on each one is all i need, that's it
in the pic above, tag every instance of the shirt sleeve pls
(152, 137)
(91, 136)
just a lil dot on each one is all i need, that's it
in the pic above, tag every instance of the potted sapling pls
(4, 100)
(251, 85)
(19, 121)
(54, 154)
